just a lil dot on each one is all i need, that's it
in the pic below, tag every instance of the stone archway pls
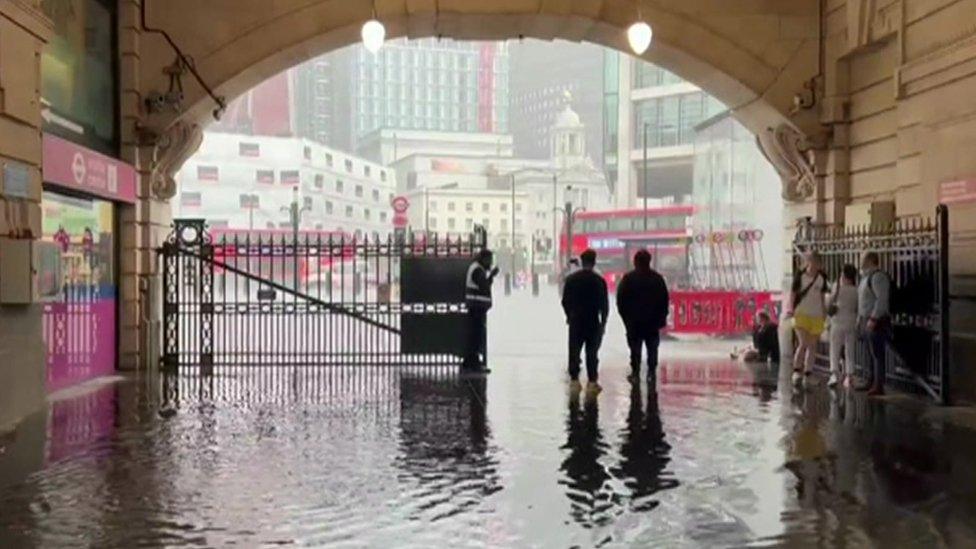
(757, 56)
(754, 56)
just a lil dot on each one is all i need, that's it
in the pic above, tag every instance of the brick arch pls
(753, 55)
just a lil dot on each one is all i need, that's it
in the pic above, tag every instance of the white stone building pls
(517, 200)
(244, 181)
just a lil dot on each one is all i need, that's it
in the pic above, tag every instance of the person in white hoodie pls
(843, 326)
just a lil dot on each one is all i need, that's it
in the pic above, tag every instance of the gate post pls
(942, 217)
(170, 360)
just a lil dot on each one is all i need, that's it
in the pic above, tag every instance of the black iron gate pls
(267, 298)
(915, 253)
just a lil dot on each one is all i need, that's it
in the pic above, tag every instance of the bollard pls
(508, 284)
(535, 284)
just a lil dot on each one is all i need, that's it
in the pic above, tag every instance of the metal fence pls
(914, 253)
(299, 298)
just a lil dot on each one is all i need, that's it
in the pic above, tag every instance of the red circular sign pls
(400, 204)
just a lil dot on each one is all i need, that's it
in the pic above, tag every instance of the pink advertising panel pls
(75, 167)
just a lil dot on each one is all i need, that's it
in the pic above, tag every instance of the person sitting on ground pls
(765, 341)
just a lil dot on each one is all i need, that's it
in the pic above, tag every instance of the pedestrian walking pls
(843, 326)
(587, 306)
(477, 294)
(874, 318)
(643, 302)
(809, 313)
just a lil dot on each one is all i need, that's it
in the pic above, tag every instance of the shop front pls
(77, 260)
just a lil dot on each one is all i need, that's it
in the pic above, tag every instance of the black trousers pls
(639, 338)
(475, 353)
(589, 336)
(877, 340)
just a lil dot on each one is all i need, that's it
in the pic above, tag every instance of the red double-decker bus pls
(615, 235)
(696, 307)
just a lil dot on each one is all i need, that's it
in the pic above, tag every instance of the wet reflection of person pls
(586, 478)
(644, 452)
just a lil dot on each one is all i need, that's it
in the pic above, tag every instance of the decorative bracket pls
(786, 150)
(171, 150)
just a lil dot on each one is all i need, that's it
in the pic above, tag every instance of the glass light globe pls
(639, 35)
(373, 35)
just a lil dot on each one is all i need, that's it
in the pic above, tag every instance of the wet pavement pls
(720, 455)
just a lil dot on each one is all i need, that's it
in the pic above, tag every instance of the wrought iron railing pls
(300, 298)
(914, 252)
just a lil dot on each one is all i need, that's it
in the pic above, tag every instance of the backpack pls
(912, 298)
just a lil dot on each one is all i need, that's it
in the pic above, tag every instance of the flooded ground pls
(720, 455)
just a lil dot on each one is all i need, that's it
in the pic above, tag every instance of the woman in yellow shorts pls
(809, 313)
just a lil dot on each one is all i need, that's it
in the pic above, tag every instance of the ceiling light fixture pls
(373, 33)
(639, 35)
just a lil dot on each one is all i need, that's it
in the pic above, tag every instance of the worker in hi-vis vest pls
(477, 294)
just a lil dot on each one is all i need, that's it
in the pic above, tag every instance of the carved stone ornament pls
(172, 149)
(783, 147)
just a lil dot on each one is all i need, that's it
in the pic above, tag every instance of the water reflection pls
(586, 479)
(644, 452)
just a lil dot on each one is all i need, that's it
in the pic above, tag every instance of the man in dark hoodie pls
(642, 301)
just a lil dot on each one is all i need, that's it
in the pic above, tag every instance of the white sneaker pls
(832, 383)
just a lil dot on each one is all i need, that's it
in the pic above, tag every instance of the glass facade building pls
(428, 84)
(735, 190)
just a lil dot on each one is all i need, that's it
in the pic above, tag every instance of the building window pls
(266, 177)
(249, 149)
(450, 206)
(349, 165)
(486, 223)
(383, 217)
(469, 224)
(367, 171)
(250, 201)
(376, 195)
(518, 206)
(289, 177)
(307, 152)
(340, 187)
(190, 199)
(328, 159)
(329, 207)
(307, 202)
(382, 175)
(208, 173)
(469, 207)
(319, 181)
(359, 191)
(349, 212)
(433, 205)
(485, 207)
(504, 206)
(451, 222)
(433, 223)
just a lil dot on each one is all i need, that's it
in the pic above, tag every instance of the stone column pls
(23, 32)
(156, 156)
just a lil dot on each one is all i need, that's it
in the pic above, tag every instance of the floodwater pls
(720, 455)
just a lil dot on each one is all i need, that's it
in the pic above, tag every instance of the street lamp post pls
(513, 217)
(295, 213)
(644, 176)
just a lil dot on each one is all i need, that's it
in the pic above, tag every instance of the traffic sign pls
(400, 204)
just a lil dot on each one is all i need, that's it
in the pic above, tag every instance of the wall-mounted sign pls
(957, 192)
(16, 179)
(76, 167)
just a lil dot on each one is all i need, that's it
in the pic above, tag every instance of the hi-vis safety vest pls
(473, 292)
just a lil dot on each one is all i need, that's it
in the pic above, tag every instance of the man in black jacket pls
(587, 306)
(477, 295)
(642, 301)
